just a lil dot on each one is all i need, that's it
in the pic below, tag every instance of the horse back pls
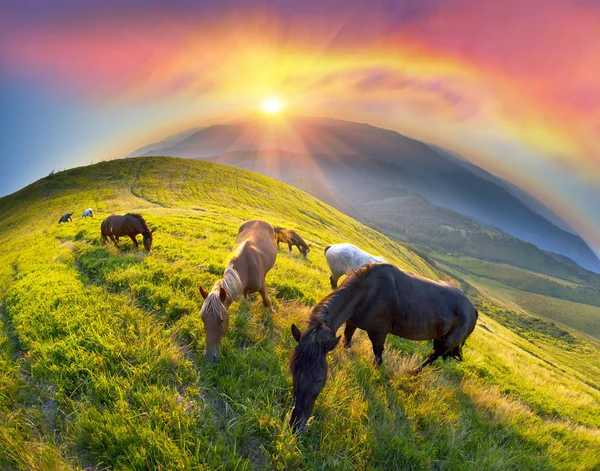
(430, 305)
(255, 252)
(409, 306)
(297, 240)
(113, 224)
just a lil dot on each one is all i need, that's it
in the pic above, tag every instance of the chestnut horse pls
(380, 299)
(290, 237)
(129, 225)
(254, 255)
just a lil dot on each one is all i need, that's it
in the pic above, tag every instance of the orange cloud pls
(487, 79)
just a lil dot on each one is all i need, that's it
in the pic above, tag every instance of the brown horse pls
(380, 299)
(254, 255)
(129, 225)
(290, 237)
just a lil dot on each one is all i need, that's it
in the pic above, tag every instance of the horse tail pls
(455, 352)
(103, 231)
(327, 248)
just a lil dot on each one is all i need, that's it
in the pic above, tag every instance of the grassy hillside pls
(412, 219)
(101, 349)
(526, 280)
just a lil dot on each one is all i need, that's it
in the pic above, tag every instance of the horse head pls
(216, 320)
(147, 239)
(309, 370)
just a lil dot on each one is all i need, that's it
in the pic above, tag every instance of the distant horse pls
(288, 236)
(87, 213)
(380, 299)
(129, 225)
(254, 255)
(343, 259)
(66, 218)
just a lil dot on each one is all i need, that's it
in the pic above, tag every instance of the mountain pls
(528, 200)
(351, 157)
(101, 348)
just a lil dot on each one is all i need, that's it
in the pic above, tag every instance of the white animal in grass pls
(343, 259)
(87, 213)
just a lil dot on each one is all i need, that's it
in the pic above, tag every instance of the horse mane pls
(337, 298)
(137, 216)
(140, 218)
(310, 350)
(231, 283)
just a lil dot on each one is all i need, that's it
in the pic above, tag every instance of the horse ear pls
(331, 344)
(203, 292)
(222, 294)
(296, 333)
(152, 231)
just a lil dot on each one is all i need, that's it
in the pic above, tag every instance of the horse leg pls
(133, 238)
(348, 333)
(290, 247)
(333, 280)
(378, 340)
(265, 299)
(114, 239)
(439, 349)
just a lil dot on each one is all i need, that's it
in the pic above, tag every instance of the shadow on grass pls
(431, 422)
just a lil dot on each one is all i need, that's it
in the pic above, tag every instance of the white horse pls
(343, 259)
(87, 213)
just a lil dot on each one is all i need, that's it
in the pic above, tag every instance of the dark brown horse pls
(290, 237)
(380, 299)
(129, 225)
(66, 218)
(254, 255)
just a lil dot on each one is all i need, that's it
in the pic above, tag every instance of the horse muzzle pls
(214, 358)
(298, 422)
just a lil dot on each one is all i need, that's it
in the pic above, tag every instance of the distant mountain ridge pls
(351, 157)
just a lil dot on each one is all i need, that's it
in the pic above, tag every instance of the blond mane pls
(231, 283)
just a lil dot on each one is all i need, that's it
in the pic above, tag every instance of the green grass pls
(582, 317)
(526, 280)
(101, 349)
(410, 218)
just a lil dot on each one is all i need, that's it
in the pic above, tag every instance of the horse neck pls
(232, 284)
(339, 307)
(239, 262)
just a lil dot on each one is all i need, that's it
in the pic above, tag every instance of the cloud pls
(467, 74)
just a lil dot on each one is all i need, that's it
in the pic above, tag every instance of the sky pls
(512, 85)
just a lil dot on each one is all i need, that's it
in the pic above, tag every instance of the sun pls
(271, 105)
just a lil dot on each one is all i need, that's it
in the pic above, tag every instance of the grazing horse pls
(254, 255)
(343, 259)
(288, 236)
(87, 213)
(66, 218)
(380, 299)
(129, 225)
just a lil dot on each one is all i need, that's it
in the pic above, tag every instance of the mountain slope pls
(101, 349)
(343, 154)
(408, 217)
